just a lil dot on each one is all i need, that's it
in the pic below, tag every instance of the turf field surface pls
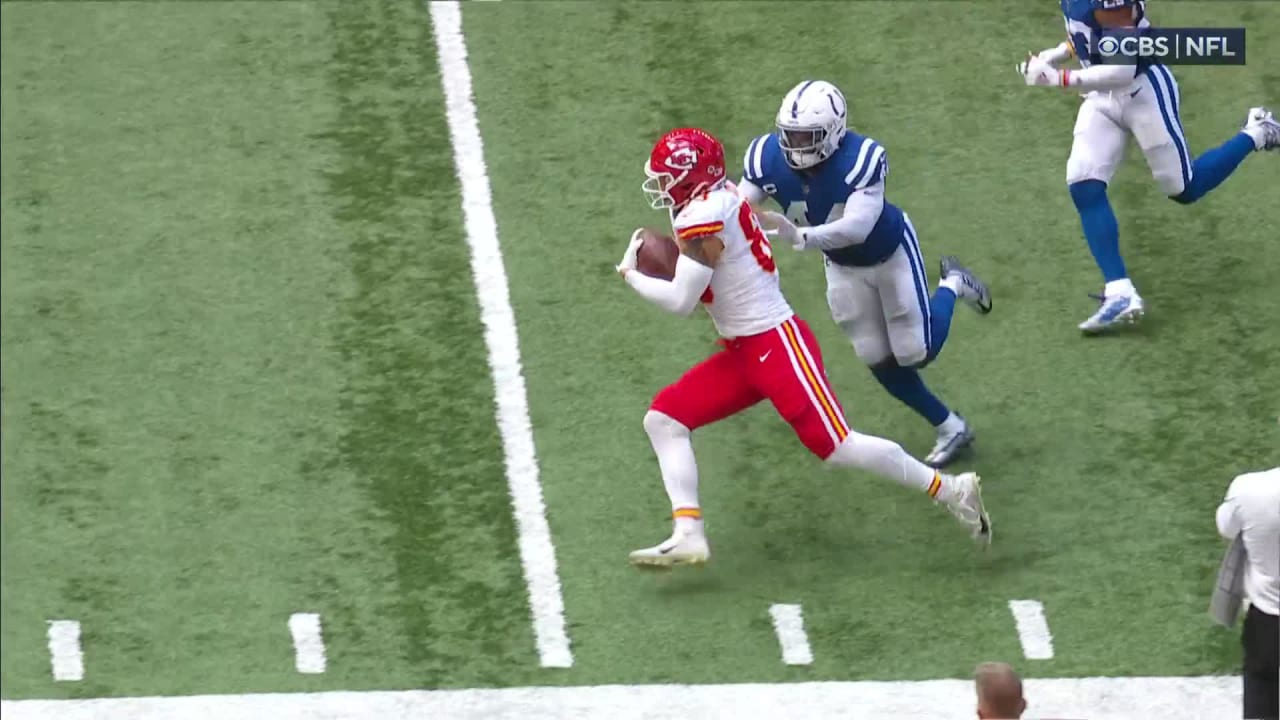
(245, 373)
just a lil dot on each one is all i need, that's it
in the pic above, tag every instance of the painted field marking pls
(64, 650)
(1103, 698)
(788, 623)
(308, 644)
(1033, 629)
(537, 552)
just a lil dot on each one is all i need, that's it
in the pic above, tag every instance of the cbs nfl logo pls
(1172, 46)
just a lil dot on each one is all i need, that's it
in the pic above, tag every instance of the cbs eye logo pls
(1109, 46)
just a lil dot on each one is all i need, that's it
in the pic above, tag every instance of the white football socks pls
(674, 447)
(887, 459)
(952, 283)
(1122, 287)
(1257, 135)
(953, 424)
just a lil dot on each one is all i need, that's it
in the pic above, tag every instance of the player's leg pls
(711, 390)
(1096, 151)
(1156, 122)
(906, 274)
(794, 379)
(918, 326)
(854, 297)
(855, 308)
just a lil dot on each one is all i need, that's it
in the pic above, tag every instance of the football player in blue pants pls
(1143, 100)
(832, 180)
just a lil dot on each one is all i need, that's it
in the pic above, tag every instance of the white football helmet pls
(811, 122)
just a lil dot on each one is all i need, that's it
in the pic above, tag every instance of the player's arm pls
(1041, 69)
(680, 294)
(1058, 54)
(1097, 77)
(751, 192)
(861, 212)
(862, 209)
(1228, 518)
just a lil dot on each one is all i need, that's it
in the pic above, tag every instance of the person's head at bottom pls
(999, 692)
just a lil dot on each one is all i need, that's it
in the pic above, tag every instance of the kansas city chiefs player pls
(726, 263)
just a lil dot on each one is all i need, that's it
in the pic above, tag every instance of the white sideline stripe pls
(64, 650)
(1104, 698)
(788, 623)
(1033, 629)
(308, 645)
(537, 553)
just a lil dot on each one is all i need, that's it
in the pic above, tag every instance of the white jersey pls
(744, 297)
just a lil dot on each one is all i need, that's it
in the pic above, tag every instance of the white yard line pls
(64, 650)
(1033, 629)
(308, 644)
(1167, 698)
(537, 553)
(788, 623)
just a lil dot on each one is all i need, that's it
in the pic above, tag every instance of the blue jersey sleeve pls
(870, 167)
(1084, 32)
(756, 161)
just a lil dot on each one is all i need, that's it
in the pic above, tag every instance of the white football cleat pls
(962, 494)
(949, 444)
(973, 291)
(1115, 311)
(679, 549)
(1262, 126)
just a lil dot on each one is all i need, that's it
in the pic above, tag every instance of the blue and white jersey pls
(817, 196)
(1083, 31)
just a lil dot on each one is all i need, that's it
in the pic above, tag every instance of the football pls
(657, 255)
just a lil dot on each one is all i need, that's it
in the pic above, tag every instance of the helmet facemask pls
(657, 187)
(803, 147)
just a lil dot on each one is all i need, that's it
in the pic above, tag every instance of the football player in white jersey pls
(726, 264)
(1140, 100)
(830, 181)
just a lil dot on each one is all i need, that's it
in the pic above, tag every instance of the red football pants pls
(783, 365)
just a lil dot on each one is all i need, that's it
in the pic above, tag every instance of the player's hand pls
(777, 224)
(1035, 71)
(1058, 53)
(629, 257)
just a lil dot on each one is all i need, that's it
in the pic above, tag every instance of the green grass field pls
(244, 372)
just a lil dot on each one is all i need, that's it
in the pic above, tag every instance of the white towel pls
(1228, 595)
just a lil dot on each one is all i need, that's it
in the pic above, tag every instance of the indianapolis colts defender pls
(1141, 100)
(832, 180)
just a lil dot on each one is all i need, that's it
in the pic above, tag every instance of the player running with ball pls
(726, 263)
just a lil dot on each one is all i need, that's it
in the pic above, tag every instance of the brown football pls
(657, 255)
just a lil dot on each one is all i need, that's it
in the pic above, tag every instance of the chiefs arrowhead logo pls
(684, 158)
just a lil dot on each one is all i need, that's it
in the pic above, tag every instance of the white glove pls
(629, 257)
(777, 224)
(1036, 71)
(1056, 54)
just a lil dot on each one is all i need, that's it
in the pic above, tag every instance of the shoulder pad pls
(706, 215)
(758, 158)
(869, 167)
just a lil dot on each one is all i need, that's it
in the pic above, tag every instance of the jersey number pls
(798, 213)
(760, 247)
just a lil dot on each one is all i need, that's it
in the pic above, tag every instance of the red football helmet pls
(684, 163)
